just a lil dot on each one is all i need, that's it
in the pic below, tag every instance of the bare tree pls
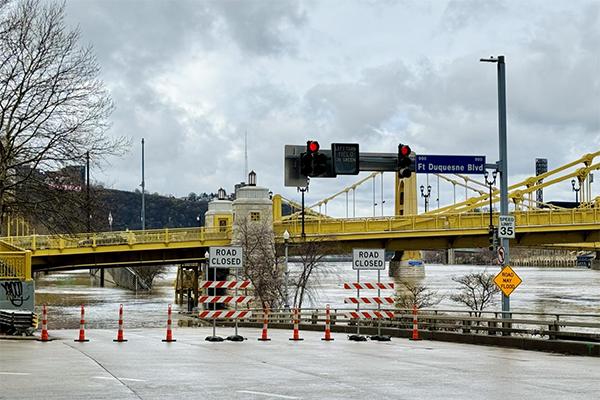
(416, 293)
(477, 290)
(53, 110)
(260, 259)
(311, 255)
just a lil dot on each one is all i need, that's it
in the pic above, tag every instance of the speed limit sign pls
(506, 230)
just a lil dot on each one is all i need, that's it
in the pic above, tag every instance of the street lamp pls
(491, 183)
(286, 238)
(576, 190)
(426, 196)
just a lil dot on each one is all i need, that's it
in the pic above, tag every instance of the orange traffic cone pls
(264, 337)
(296, 336)
(120, 332)
(415, 332)
(44, 337)
(327, 325)
(169, 332)
(82, 327)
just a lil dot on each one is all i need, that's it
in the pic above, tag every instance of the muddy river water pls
(556, 290)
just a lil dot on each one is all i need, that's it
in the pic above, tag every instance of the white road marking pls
(280, 396)
(122, 379)
(15, 373)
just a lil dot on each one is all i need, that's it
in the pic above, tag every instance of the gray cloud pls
(263, 27)
(192, 76)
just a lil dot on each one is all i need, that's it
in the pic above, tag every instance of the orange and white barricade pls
(225, 314)
(369, 314)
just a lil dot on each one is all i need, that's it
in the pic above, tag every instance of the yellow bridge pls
(461, 225)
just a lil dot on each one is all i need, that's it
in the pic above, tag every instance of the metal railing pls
(131, 238)
(540, 219)
(15, 265)
(566, 326)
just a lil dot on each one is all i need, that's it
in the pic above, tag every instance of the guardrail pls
(15, 265)
(427, 222)
(151, 236)
(551, 326)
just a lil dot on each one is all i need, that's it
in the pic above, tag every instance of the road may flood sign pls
(428, 164)
(345, 158)
(507, 280)
(225, 257)
(506, 230)
(368, 259)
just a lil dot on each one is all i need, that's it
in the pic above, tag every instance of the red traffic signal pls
(405, 150)
(404, 161)
(312, 146)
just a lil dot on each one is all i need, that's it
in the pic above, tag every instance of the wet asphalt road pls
(146, 368)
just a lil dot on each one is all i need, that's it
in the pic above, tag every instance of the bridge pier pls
(407, 265)
(450, 258)
(596, 262)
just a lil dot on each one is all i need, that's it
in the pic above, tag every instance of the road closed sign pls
(368, 259)
(225, 257)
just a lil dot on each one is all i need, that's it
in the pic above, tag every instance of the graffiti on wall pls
(16, 294)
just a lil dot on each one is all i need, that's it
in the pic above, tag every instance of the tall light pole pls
(502, 163)
(88, 205)
(576, 190)
(286, 273)
(143, 185)
(491, 183)
(426, 196)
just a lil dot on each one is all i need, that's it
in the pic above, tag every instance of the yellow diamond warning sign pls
(507, 280)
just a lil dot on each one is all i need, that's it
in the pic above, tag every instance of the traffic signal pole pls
(503, 167)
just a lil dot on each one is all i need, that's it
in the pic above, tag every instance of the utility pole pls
(143, 215)
(502, 163)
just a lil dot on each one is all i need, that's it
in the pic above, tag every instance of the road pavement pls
(147, 368)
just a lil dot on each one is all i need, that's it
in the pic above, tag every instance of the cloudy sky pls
(192, 76)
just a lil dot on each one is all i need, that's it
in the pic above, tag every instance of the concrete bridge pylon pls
(407, 264)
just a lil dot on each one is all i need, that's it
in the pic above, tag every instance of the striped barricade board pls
(225, 284)
(368, 285)
(224, 314)
(370, 314)
(225, 299)
(369, 300)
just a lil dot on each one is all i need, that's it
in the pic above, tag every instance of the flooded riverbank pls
(559, 290)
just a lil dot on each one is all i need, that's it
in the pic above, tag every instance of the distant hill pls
(161, 211)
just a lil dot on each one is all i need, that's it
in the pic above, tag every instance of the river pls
(556, 290)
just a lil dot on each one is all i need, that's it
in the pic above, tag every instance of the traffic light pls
(315, 163)
(492, 238)
(404, 161)
(307, 159)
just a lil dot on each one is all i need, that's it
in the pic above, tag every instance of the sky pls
(192, 77)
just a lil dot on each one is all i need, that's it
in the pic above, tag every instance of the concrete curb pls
(590, 349)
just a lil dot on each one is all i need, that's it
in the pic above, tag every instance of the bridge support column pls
(407, 265)
(596, 262)
(450, 259)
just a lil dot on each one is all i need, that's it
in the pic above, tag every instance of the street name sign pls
(368, 259)
(225, 257)
(346, 158)
(507, 280)
(506, 230)
(445, 164)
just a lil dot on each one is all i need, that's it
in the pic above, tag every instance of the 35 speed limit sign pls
(506, 230)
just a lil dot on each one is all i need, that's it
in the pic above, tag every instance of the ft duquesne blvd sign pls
(428, 164)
